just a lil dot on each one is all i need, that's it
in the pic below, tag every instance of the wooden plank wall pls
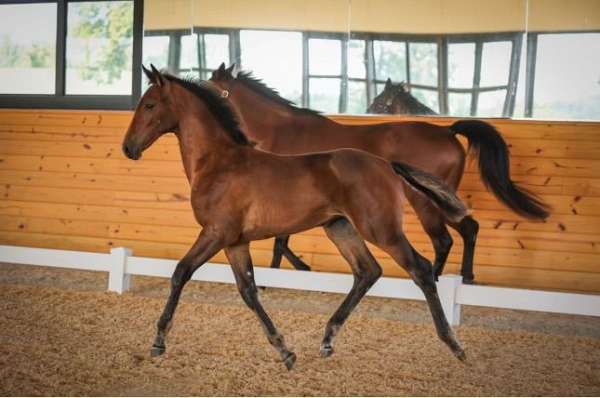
(65, 184)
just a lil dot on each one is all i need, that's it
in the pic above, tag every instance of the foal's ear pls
(148, 74)
(403, 87)
(230, 69)
(159, 80)
(388, 83)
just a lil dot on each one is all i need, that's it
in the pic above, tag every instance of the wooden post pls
(118, 280)
(447, 288)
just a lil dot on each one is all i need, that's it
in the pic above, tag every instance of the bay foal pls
(240, 194)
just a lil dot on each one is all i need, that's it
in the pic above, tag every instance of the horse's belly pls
(266, 219)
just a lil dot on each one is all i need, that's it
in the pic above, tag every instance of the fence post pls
(447, 287)
(118, 280)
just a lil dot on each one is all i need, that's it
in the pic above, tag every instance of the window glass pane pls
(99, 47)
(276, 58)
(357, 97)
(459, 104)
(356, 59)
(491, 103)
(461, 65)
(188, 57)
(324, 57)
(423, 63)
(567, 76)
(390, 60)
(216, 50)
(495, 63)
(428, 97)
(156, 51)
(324, 94)
(27, 53)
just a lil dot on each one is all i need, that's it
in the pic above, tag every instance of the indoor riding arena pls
(300, 198)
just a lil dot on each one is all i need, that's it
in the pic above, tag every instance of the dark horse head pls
(396, 99)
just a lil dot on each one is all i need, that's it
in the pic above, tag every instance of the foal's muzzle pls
(131, 151)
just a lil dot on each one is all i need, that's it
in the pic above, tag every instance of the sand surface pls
(61, 333)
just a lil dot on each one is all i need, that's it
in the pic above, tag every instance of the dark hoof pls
(460, 354)
(290, 360)
(469, 281)
(157, 351)
(326, 351)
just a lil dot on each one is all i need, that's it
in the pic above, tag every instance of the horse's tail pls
(494, 166)
(434, 189)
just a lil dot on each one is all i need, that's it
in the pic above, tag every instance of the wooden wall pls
(65, 184)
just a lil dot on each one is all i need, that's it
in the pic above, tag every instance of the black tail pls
(434, 189)
(494, 166)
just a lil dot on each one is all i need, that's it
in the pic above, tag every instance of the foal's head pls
(154, 115)
(383, 103)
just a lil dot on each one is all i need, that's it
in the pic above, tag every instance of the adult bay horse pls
(396, 99)
(240, 194)
(276, 125)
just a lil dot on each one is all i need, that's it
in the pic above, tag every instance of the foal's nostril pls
(126, 151)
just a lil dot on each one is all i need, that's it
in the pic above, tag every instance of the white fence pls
(121, 265)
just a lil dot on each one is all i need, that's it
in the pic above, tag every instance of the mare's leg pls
(420, 270)
(468, 229)
(364, 267)
(281, 248)
(241, 264)
(434, 225)
(206, 246)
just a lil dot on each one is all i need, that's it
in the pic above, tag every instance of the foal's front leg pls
(206, 246)
(241, 264)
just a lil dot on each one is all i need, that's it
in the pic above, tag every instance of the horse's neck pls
(203, 144)
(266, 121)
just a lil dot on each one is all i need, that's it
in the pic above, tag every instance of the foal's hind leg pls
(241, 264)
(468, 229)
(364, 267)
(203, 249)
(280, 248)
(420, 270)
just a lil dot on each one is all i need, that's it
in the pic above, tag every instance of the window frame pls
(75, 101)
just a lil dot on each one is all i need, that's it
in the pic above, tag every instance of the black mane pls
(216, 105)
(261, 88)
(416, 107)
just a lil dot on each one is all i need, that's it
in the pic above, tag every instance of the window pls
(566, 82)
(28, 56)
(99, 47)
(325, 74)
(79, 54)
(276, 58)
(482, 73)
(334, 73)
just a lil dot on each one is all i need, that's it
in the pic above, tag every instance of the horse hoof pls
(326, 351)
(290, 360)
(460, 354)
(157, 351)
(469, 281)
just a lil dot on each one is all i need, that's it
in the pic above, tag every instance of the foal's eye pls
(149, 106)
